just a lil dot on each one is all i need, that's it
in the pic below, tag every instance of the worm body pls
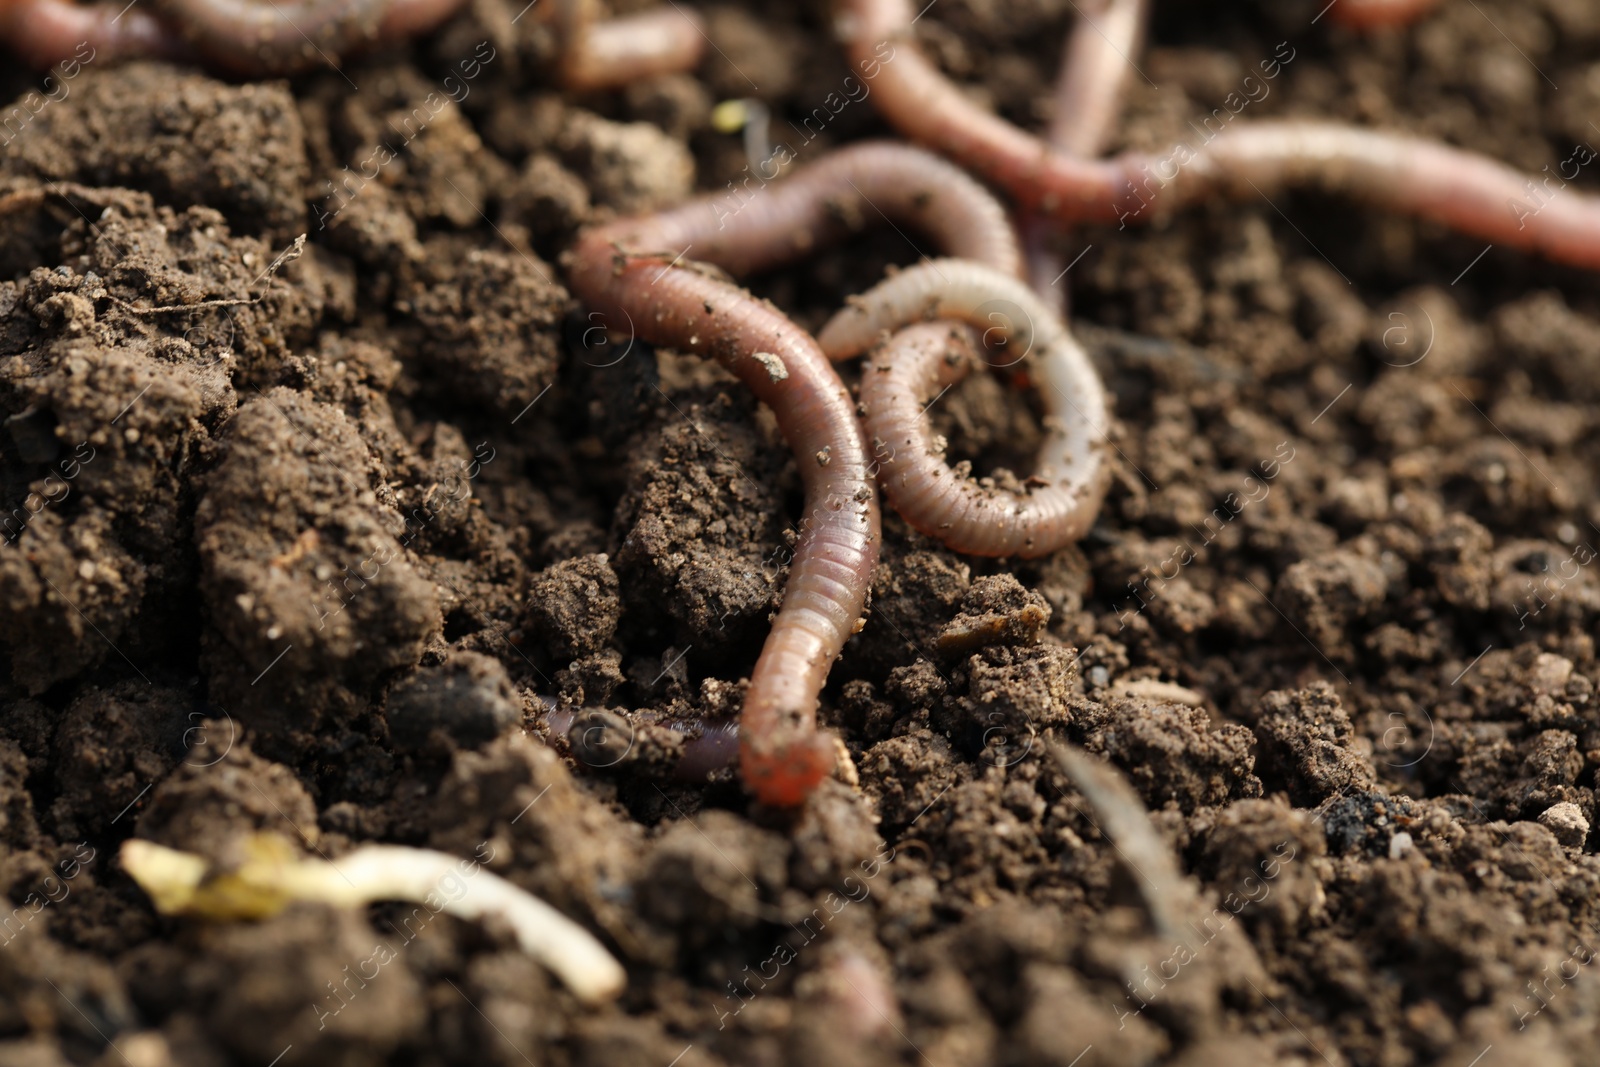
(46, 32)
(607, 54)
(1378, 14)
(782, 754)
(764, 223)
(709, 747)
(913, 365)
(268, 38)
(1459, 189)
(927, 107)
(248, 37)
(630, 271)
(1094, 68)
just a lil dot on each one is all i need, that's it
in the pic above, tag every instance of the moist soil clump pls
(346, 545)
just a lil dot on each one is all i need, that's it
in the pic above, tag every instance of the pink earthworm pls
(762, 223)
(1462, 190)
(630, 272)
(1094, 69)
(1069, 481)
(708, 746)
(46, 32)
(1379, 14)
(257, 38)
(254, 38)
(1459, 189)
(620, 271)
(244, 37)
(926, 106)
(605, 54)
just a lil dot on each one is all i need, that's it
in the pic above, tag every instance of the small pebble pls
(1566, 821)
(1400, 846)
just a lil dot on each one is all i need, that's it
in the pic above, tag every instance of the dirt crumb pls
(1309, 734)
(303, 580)
(185, 138)
(469, 698)
(574, 606)
(631, 167)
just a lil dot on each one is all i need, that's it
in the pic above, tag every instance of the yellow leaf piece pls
(180, 883)
(729, 116)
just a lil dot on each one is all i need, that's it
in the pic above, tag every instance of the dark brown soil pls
(315, 551)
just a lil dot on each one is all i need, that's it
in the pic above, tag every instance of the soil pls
(316, 550)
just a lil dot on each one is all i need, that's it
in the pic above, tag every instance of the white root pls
(273, 875)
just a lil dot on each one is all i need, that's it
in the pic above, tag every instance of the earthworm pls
(619, 271)
(926, 106)
(1462, 190)
(909, 370)
(46, 32)
(1094, 68)
(628, 271)
(1377, 14)
(1459, 189)
(256, 38)
(715, 746)
(615, 52)
(708, 746)
(763, 223)
(245, 37)
(248, 37)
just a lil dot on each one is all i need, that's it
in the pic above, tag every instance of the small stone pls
(1549, 675)
(1566, 821)
(1400, 846)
